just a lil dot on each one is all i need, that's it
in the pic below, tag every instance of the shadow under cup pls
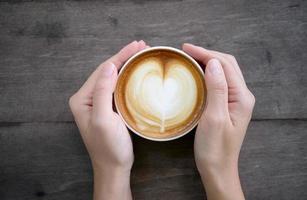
(160, 93)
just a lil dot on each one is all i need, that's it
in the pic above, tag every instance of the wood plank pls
(47, 49)
(48, 160)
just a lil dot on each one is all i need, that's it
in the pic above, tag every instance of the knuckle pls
(100, 84)
(252, 99)
(249, 102)
(231, 57)
(103, 83)
(101, 89)
(72, 102)
(220, 87)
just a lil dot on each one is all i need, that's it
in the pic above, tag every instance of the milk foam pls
(160, 95)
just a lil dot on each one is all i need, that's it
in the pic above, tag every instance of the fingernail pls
(214, 67)
(108, 70)
(142, 44)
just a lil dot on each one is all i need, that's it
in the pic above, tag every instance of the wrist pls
(107, 169)
(217, 164)
(113, 183)
(220, 172)
(222, 180)
(218, 168)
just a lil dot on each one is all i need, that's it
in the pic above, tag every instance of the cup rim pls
(128, 62)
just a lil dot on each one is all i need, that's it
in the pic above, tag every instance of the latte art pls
(160, 95)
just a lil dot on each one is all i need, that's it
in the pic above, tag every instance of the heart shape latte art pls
(160, 95)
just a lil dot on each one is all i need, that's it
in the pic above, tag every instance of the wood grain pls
(48, 49)
(49, 160)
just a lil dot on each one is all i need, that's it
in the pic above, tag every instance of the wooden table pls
(48, 49)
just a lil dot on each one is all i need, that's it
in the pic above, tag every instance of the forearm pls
(113, 185)
(222, 184)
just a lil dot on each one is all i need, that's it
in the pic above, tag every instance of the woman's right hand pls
(103, 131)
(223, 125)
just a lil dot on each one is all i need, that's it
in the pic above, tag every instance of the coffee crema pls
(160, 94)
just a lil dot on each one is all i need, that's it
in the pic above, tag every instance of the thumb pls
(217, 91)
(103, 92)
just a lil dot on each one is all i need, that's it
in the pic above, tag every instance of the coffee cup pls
(160, 93)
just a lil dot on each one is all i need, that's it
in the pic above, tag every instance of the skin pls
(103, 132)
(218, 138)
(222, 127)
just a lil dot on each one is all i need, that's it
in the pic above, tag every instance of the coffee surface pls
(160, 94)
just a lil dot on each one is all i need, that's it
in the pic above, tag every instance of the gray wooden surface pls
(48, 48)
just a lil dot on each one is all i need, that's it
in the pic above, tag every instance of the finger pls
(233, 78)
(125, 53)
(104, 88)
(231, 60)
(142, 45)
(217, 91)
(118, 59)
